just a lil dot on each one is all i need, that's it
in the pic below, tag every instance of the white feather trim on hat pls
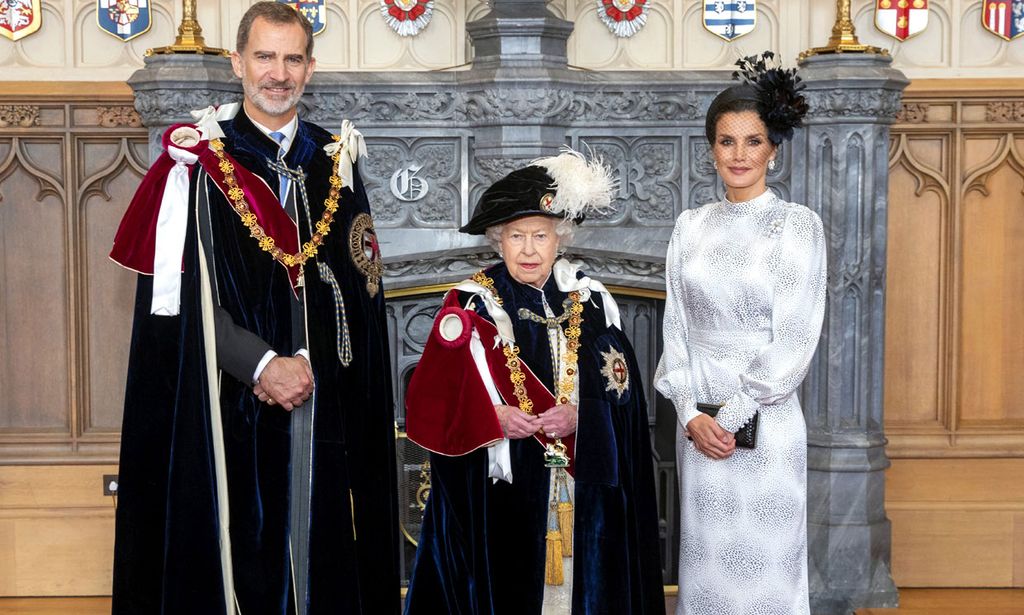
(581, 186)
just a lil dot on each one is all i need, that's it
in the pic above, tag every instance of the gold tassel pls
(565, 515)
(553, 574)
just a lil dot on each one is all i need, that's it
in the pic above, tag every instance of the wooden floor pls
(912, 602)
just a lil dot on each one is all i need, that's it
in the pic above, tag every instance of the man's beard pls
(269, 106)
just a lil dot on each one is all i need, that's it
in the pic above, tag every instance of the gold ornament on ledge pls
(190, 36)
(844, 38)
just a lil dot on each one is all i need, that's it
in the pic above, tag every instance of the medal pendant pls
(555, 455)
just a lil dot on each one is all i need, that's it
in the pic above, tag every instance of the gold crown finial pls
(844, 36)
(190, 36)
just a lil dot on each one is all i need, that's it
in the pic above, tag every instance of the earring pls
(771, 164)
(714, 163)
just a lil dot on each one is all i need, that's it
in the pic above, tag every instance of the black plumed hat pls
(564, 186)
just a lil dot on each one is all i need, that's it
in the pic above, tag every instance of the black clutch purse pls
(746, 437)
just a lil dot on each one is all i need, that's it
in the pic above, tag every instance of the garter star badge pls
(407, 17)
(615, 371)
(315, 12)
(19, 18)
(1004, 18)
(124, 19)
(730, 19)
(901, 19)
(365, 252)
(623, 17)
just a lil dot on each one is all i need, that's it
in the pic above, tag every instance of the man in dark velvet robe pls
(485, 543)
(208, 508)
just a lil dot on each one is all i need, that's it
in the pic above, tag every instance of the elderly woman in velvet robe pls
(529, 398)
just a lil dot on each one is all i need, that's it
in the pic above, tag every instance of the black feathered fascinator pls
(775, 90)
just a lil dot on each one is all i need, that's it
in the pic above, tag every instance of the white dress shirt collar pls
(288, 130)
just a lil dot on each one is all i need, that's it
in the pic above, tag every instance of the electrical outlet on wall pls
(110, 484)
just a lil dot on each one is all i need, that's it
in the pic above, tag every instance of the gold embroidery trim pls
(570, 358)
(237, 197)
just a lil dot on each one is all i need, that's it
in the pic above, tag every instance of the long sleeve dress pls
(745, 302)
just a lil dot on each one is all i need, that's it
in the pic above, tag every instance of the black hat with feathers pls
(775, 92)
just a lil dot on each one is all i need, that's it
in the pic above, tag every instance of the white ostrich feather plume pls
(581, 186)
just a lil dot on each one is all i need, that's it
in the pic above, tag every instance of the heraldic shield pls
(19, 18)
(124, 19)
(1004, 18)
(901, 19)
(315, 11)
(730, 19)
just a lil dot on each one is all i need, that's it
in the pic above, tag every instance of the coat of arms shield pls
(901, 19)
(19, 18)
(1004, 18)
(730, 19)
(124, 19)
(313, 10)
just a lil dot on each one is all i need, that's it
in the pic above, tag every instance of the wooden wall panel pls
(957, 522)
(56, 531)
(918, 212)
(955, 336)
(70, 160)
(992, 331)
(111, 170)
(34, 278)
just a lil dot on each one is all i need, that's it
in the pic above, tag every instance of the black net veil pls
(774, 92)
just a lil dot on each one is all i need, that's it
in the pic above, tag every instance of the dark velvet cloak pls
(167, 556)
(482, 544)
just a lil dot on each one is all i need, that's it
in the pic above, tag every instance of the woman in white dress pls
(745, 281)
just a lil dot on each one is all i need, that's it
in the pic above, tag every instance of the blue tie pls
(282, 190)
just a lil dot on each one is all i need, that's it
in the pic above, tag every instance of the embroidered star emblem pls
(615, 371)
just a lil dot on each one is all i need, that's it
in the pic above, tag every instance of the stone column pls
(520, 59)
(172, 85)
(853, 100)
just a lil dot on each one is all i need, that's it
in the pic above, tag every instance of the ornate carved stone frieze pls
(515, 105)
(112, 117)
(1004, 112)
(850, 103)
(609, 269)
(486, 171)
(394, 107)
(163, 107)
(603, 105)
(22, 116)
(649, 172)
(913, 113)
(507, 104)
(490, 170)
(414, 182)
(451, 267)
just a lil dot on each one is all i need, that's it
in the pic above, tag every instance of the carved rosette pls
(21, 116)
(113, 117)
(913, 113)
(1004, 112)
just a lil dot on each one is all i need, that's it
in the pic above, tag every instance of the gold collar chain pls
(570, 359)
(237, 197)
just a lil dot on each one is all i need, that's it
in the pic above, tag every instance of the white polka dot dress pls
(745, 300)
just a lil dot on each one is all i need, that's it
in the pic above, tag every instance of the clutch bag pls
(746, 437)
